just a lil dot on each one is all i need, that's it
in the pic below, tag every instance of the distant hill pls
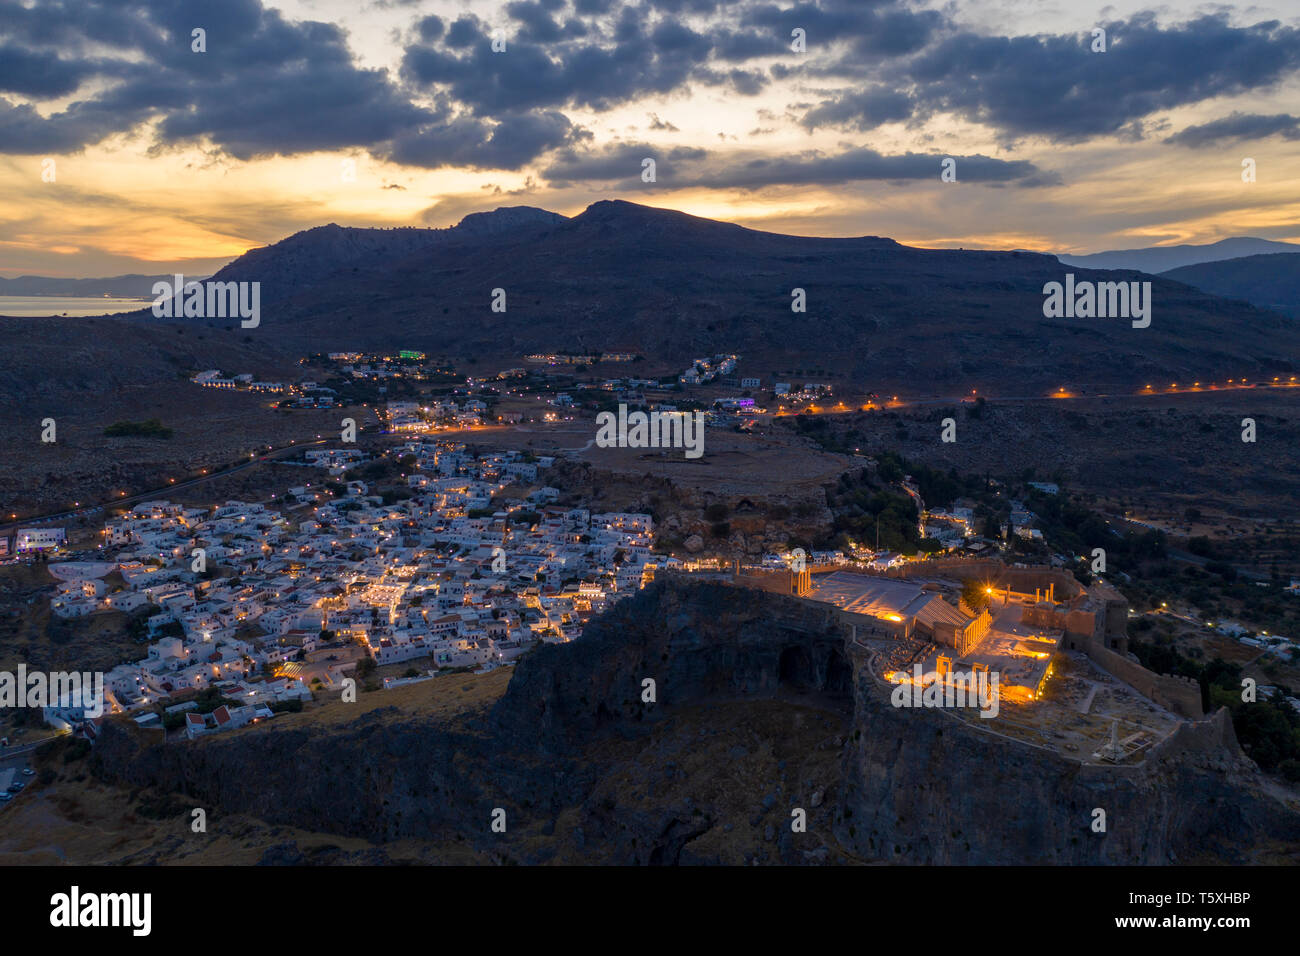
(1269, 281)
(126, 287)
(338, 253)
(1159, 259)
(678, 287)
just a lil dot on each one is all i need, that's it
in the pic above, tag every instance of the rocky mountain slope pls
(1159, 259)
(1267, 281)
(677, 287)
(344, 255)
(127, 285)
(760, 709)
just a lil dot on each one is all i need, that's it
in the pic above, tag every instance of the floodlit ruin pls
(1055, 651)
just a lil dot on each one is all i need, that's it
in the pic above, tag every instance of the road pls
(170, 488)
(1076, 392)
(14, 759)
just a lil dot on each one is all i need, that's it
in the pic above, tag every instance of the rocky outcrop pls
(921, 788)
(687, 725)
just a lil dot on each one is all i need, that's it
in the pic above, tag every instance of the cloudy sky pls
(399, 112)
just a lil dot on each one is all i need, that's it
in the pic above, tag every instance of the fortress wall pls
(983, 568)
(1022, 580)
(1087, 631)
(773, 582)
(1084, 624)
(1202, 736)
(1182, 695)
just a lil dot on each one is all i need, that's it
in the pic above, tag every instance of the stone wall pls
(997, 573)
(1182, 695)
(1090, 631)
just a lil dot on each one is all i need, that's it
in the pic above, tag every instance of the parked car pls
(28, 772)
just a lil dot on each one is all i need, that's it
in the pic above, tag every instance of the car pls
(28, 772)
(15, 787)
(6, 797)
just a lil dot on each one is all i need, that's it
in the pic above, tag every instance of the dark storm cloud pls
(1056, 87)
(469, 141)
(897, 32)
(267, 86)
(1238, 126)
(24, 132)
(430, 28)
(40, 75)
(263, 87)
(738, 81)
(872, 27)
(628, 51)
(749, 44)
(657, 124)
(630, 58)
(620, 167)
(855, 165)
(618, 162)
(535, 21)
(861, 109)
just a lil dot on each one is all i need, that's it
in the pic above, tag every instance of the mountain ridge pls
(1270, 281)
(679, 286)
(131, 285)
(1161, 259)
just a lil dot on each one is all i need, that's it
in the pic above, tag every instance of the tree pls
(974, 594)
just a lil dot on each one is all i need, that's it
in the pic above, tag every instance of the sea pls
(40, 305)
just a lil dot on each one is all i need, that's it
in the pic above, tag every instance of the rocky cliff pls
(919, 788)
(757, 710)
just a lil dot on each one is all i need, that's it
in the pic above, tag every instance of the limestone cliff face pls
(757, 709)
(697, 642)
(920, 788)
